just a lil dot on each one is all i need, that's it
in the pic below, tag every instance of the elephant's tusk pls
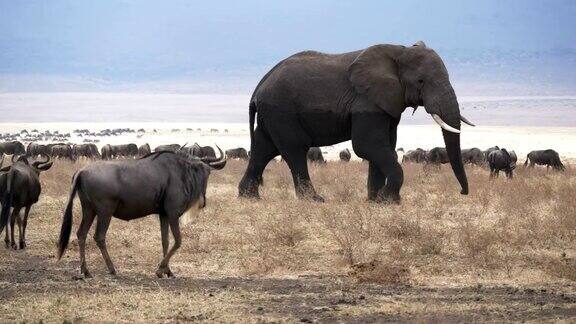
(444, 126)
(466, 121)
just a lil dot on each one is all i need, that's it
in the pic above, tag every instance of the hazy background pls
(491, 48)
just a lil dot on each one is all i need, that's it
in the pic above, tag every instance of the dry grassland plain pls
(506, 252)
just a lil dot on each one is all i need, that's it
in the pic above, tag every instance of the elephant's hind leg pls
(262, 152)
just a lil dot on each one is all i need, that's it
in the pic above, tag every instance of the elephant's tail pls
(252, 116)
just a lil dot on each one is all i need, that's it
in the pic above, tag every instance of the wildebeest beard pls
(195, 181)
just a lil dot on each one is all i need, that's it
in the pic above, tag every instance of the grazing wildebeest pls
(89, 151)
(19, 188)
(62, 151)
(13, 147)
(502, 160)
(125, 150)
(237, 153)
(549, 158)
(35, 149)
(106, 152)
(417, 156)
(166, 183)
(203, 151)
(315, 155)
(144, 149)
(437, 155)
(168, 147)
(345, 155)
(487, 152)
(473, 156)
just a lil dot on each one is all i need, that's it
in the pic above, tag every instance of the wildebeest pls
(144, 149)
(203, 151)
(89, 151)
(168, 147)
(487, 152)
(473, 156)
(13, 147)
(106, 152)
(19, 188)
(315, 155)
(437, 155)
(62, 151)
(237, 153)
(166, 183)
(549, 158)
(125, 150)
(502, 160)
(35, 149)
(417, 156)
(345, 155)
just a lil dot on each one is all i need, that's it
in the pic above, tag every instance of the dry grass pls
(507, 233)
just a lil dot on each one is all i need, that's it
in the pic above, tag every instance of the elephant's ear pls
(374, 73)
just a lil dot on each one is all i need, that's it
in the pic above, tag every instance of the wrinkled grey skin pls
(345, 155)
(168, 147)
(549, 158)
(315, 155)
(237, 153)
(502, 160)
(164, 183)
(89, 151)
(473, 156)
(315, 99)
(19, 188)
(13, 147)
(415, 156)
(144, 150)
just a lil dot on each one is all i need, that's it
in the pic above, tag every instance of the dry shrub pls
(396, 272)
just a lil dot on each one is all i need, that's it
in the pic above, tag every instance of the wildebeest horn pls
(37, 164)
(14, 158)
(216, 163)
(183, 146)
(466, 121)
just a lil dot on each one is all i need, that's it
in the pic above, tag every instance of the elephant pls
(437, 156)
(316, 99)
(549, 158)
(144, 149)
(314, 155)
(237, 153)
(502, 160)
(416, 156)
(345, 155)
(473, 156)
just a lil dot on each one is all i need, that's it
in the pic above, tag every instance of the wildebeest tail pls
(67, 219)
(8, 195)
(527, 159)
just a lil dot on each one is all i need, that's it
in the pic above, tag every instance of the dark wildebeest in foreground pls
(35, 149)
(166, 183)
(345, 155)
(89, 151)
(62, 151)
(416, 156)
(168, 147)
(549, 158)
(13, 147)
(473, 156)
(144, 150)
(315, 155)
(203, 151)
(502, 160)
(19, 188)
(237, 153)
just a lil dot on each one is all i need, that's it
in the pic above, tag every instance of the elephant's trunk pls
(445, 106)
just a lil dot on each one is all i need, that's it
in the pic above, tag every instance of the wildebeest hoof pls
(22, 245)
(318, 198)
(164, 271)
(14, 246)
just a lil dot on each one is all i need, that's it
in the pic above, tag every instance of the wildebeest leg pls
(7, 238)
(163, 267)
(87, 220)
(102, 224)
(24, 225)
(165, 235)
(15, 216)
